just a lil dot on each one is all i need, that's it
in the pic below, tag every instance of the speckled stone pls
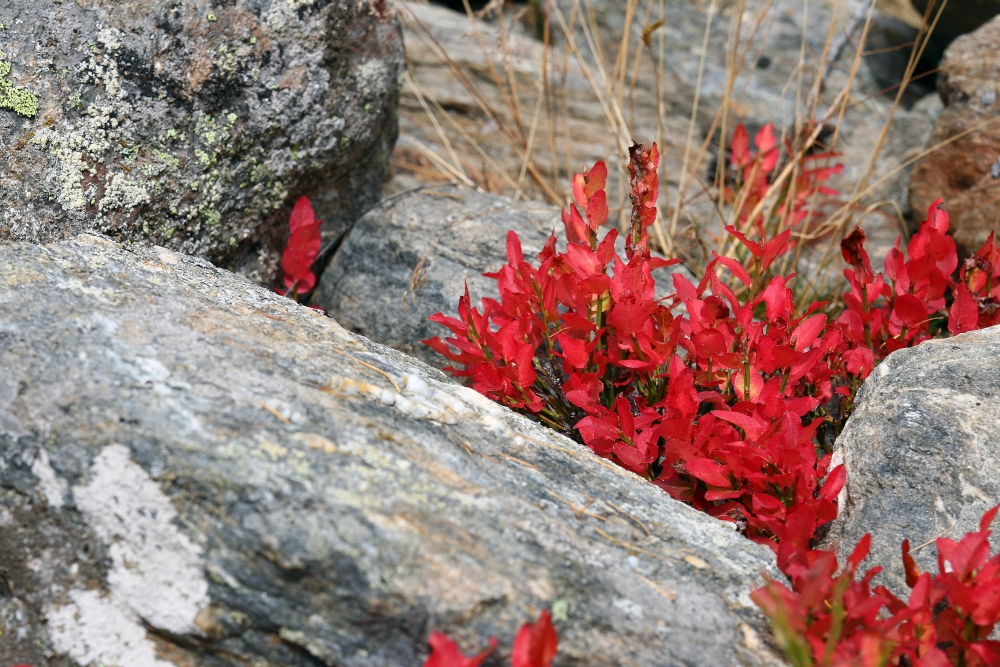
(196, 472)
(193, 124)
(922, 451)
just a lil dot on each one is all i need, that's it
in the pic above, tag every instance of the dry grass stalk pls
(613, 68)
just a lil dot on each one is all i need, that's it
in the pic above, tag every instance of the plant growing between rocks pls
(726, 394)
(534, 646)
(302, 249)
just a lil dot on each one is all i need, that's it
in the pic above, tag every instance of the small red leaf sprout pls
(302, 249)
(534, 646)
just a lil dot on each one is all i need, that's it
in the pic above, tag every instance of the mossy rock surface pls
(193, 125)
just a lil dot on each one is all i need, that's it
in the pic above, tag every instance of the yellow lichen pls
(20, 100)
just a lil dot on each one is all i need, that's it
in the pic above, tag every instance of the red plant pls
(753, 171)
(832, 619)
(718, 403)
(534, 646)
(302, 249)
(717, 392)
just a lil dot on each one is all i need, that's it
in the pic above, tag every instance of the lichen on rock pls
(150, 123)
(19, 100)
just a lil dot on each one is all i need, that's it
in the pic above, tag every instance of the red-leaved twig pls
(303, 247)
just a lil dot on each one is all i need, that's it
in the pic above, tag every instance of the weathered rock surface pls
(195, 471)
(959, 18)
(574, 131)
(922, 451)
(191, 125)
(963, 171)
(412, 255)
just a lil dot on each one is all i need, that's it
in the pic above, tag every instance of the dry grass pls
(515, 122)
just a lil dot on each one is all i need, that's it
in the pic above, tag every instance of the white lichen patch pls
(94, 630)
(97, 136)
(53, 487)
(157, 572)
(124, 192)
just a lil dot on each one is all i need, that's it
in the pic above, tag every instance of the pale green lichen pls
(207, 161)
(166, 158)
(560, 611)
(20, 100)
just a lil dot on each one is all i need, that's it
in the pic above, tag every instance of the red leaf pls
(755, 249)
(767, 145)
(806, 332)
(736, 268)
(987, 520)
(860, 552)
(740, 148)
(910, 311)
(445, 653)
(303, 248)
(964, 314)
(302, 216)
(514, 254)
(778, 299)
(709, 472)
(834, 483)
(910, 566)
(775, 248)
(535, 644)
(576, 228)
(597, 210)
(853, 250)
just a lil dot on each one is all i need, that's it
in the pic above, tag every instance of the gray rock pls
(191, 125)
(196, 471)
(922, 451)
(412, 256)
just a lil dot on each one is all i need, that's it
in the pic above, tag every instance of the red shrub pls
(715, 393)
(831, 619)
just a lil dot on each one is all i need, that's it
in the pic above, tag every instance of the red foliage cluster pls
(713, 393)
(302, 249)
(718, 391)
(833, 619)
(753, 172)
(534, 646)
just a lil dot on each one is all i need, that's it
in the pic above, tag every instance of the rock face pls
(191, 125)
(195, 471)
(966, 172)
(412, 256)
(922, 451)
(959, 18)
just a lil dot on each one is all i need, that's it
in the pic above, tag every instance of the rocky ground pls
(196, 471)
